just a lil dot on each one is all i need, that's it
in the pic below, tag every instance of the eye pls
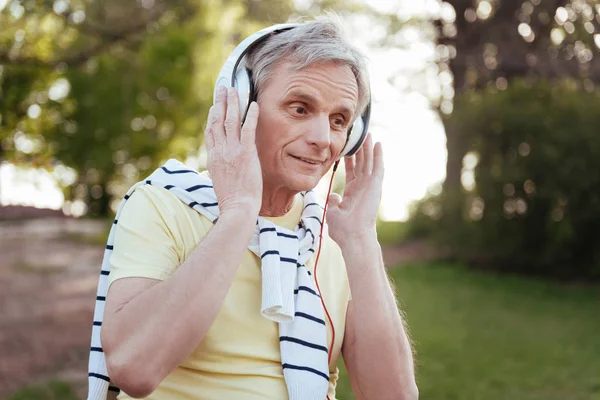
(299, 110)
(339, 122)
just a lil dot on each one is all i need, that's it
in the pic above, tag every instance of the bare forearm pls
(160, 327)
(381, 346)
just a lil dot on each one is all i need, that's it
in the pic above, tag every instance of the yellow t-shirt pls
(239, 358)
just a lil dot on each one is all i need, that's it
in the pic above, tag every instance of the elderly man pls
(222, 299)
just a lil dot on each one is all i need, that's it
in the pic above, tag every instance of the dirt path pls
(48, 278)
(47, 285)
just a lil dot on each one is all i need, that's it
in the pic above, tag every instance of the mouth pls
(308, 160)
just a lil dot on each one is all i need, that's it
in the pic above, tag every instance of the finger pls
(248, 132)
(378, 169)
(215, 122)
(334, 200)
(368, 155)
(208, 135)
(360, 160)
(232, 119)
(349, 166)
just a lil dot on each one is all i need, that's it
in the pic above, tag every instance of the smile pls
(308, 160)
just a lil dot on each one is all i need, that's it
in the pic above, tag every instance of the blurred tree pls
(483, 42)
(112, 88)
(533, 202)
(521, 136)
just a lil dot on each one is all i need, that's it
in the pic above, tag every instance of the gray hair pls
(320, 40)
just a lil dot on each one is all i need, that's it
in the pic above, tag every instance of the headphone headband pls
(227, 73)
(235, 74)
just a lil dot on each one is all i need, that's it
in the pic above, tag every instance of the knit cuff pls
(98, 389)
(299, 391)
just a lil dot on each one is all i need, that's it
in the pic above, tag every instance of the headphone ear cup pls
(358, 133)
(353, 137)
(356, 137)
(243, 84)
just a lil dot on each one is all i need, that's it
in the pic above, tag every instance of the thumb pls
(335, 199)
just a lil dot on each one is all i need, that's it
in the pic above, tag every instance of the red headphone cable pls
(317, 263)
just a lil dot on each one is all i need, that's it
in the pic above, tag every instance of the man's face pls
(303, 123)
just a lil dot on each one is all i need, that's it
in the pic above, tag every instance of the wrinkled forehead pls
(332, 75)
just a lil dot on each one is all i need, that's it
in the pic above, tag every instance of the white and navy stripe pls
(289, 293)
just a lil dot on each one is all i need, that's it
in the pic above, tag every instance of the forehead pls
(328, 81)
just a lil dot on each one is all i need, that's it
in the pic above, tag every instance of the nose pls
(319, 134)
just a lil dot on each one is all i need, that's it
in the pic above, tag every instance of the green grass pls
(98, 239)
(53, 390)
(391, 232)
(492, 337)
(41, 269)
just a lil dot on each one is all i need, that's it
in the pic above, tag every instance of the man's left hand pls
(353, 216)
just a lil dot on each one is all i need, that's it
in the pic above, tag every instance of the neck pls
(276, 201)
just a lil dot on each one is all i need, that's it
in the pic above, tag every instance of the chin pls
(300, 182)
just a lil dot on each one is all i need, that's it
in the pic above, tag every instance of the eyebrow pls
(311, 99)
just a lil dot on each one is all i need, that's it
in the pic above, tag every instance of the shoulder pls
(150, 198)
(153, 196)
(151, 208)
(154, 232)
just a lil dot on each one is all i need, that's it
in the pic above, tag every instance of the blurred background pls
(489, 114)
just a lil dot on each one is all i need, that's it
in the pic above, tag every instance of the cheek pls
(338, 144)
(264, 132)
(270, 141)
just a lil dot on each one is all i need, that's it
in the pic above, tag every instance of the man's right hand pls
(233, 161)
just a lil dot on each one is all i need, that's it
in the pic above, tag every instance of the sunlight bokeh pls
(29, 187)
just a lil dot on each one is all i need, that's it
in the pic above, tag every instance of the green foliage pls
(535, 207)
(53, 390)
(495, 337)
(131, 113)
(137, 89)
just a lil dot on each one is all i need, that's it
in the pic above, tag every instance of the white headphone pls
(235, 74)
